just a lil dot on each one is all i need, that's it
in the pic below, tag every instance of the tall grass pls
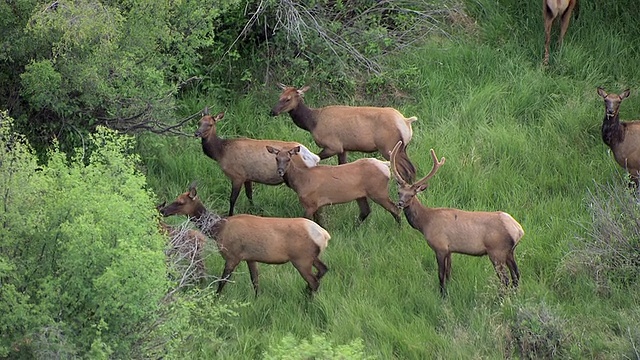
(517, 137)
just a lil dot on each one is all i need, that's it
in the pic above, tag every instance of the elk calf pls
(325, 184)
(243, 160)
(258, 239)
(450, 231)
(622, 137)
(552, 9)
(338, 129)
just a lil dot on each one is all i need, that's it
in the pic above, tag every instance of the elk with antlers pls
(338, 129)
(622, 137)
(450, 231)
(257, 239)
(244, 160)
(551, 10)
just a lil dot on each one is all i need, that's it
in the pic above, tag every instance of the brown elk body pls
(243, 160)
(448, 231)
(338, 129)
(551, 10)
(255, 239)
(622, 137)
(326, 184)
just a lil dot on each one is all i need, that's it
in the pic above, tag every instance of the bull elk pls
(243, 160)
(255, 239)
(338, 129)
(622, 137)
(551, 10)
(335, 184)
(450, 231)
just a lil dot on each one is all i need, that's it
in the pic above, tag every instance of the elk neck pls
(295, 176)
(304, 117)
(416, 213)
(208, 222)
(612, 130)
(213, 146)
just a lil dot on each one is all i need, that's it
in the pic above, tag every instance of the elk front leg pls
(229, 266)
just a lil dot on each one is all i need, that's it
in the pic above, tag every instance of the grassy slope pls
(517, 138)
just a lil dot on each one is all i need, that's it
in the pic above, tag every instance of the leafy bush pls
(82, 267)
(319, 347)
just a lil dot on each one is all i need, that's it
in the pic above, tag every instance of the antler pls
(436, 166)
(394, 170)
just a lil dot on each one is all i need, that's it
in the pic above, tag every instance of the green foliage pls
(81, 261)
(318, 347)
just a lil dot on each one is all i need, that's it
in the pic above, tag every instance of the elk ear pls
(272, 150)
(205, 111)
(422, 187)
(218, 117)
(295, 150)
(282, 86)
(192, 190)
(602, 93)
(303, 90)
(624, 94)
(160, 206)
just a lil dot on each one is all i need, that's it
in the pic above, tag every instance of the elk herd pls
(338, 130)
(301, 241)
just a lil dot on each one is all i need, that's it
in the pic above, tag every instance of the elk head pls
(187, 203)
(288, 100)
(612, 101)
(283, 158)
(406, 191)
(207, 123)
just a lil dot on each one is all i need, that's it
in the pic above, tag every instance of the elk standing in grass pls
(338, 129)
(257, 239)
(551, 10)
(243, 160)
(326, 184)
(450, 231)
(622, 137)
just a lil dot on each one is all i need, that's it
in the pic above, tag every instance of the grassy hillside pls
(517, 137)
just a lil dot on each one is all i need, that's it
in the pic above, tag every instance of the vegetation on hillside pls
(83, 274)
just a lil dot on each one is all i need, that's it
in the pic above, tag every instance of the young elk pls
(338, 129)
(243, 160)
(257, 239)
(552, 9)
(456, 231)
(622, 137)
(325, 184)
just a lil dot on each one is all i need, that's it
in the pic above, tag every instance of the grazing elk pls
(552, 9)
(257, 239)
(243, 160)
(188, 243)
(622, 137)
(456, 231)
(338, 129)
(326, 184)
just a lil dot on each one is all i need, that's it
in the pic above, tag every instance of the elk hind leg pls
(321, 267)
(513, 269)
(248, 190)
(305, 268)
(499, 266)
(385, 202)
(564, 21)
(253, 271)
(365, 209)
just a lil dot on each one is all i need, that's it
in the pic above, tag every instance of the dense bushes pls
(82, 267)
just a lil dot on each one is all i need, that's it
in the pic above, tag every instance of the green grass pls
(517, 137)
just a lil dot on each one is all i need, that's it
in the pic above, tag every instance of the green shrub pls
(82, 267)
(537, 331)
(318, 347)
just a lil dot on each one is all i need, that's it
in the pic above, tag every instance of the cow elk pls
(336, 184)
(622, 137)
(450, 231)
(338, 129)
(243, 160)
(255, 239)
(551, 10)
(186, 244)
